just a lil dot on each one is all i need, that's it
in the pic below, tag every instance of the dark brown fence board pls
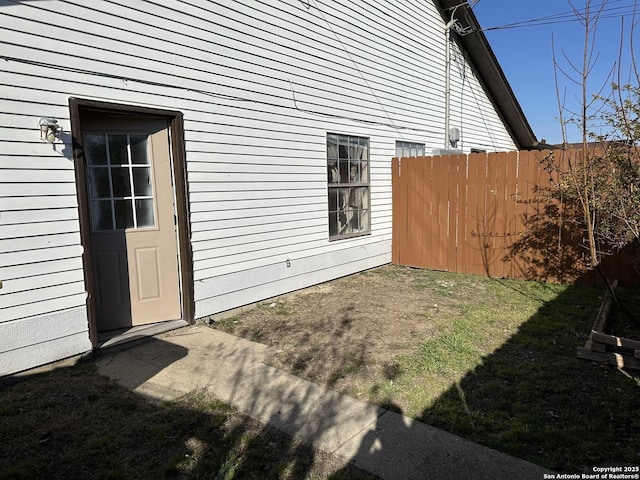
(510, 203)
(412, 172)
(440, 191)
(463, 225)
(428, 234)
(457, 179)
(411, 256)
(533, 223)
(520, 207)
(399, 212)
(488, 241)
(499, 227)
(476, 213)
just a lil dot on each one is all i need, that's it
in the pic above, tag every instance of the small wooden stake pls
(603, 314)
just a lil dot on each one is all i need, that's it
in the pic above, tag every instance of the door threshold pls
(115, 338)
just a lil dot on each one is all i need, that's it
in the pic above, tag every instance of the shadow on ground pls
(534, 399)
(74, 423)
(534, 396)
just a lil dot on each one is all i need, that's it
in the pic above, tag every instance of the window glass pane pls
(118, 150)
(333, 224)
(354, 172)
(101, 215)
(343, 167)
(332, 147)
(363, 197)
(144, 213)
(124, 214)
(354, 151)
(363, 193)
(142, 181)
(355, 198)
(356, 223)
(398, 148)
(139, 152)
(343, 210)
(364, 148)
(343, 151)
(333, 173)
(99, 182)
(95, 149)
(121, 182)
(333, 200)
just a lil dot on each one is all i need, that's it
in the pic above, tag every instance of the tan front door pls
(133, 234)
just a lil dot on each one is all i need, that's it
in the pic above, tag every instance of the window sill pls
(349, 235)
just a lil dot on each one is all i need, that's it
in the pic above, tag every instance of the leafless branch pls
(631, 42)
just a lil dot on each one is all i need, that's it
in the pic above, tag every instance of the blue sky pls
(526, 55)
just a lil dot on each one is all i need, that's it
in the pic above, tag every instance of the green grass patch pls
(503, 372)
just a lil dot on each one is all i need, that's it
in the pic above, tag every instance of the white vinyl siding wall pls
(472, 111)
(260, 84)
(42, 314)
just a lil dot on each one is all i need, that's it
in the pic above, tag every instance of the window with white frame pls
(409, 149)
(348, 181)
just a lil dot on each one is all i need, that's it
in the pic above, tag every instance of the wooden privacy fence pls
(490, 214)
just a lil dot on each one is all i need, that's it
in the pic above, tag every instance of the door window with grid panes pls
(348, 181)
(120, 183)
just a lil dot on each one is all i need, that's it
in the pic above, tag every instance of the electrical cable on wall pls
(221, 96)
(344, 48)
(462, 70)
(330, 115)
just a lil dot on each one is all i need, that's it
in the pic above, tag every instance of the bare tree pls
(601, 178)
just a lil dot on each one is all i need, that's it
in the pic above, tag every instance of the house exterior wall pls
(260, 84)
(468, 109)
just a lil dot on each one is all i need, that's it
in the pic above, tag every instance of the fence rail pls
(490, 214)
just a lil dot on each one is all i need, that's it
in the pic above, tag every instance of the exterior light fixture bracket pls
(49, 129)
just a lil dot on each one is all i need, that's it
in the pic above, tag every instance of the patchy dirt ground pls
(491, 360)
(355, 326)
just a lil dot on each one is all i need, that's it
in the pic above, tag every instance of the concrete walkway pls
(376, 440)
